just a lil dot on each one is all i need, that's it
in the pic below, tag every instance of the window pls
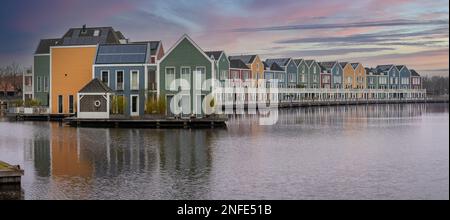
(202, 74)
(315, 69)
(186, 74)
(315, 78)
(105, 77)
(96, 33)
(371, 80)
(337, 79)
(46, 84)
(303, 78)
(223, 75)
(396, 80)
(391, 80)
(349, 80)
(119, 80)
(71, 110)
(60, 104)
(170, 76)
(245, 76)
(134, 80)
(39, 81)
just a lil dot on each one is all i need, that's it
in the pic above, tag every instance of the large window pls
(71, 110)
(201, 71)
(337, 79)
(170, 76)
(186, 74)
(60, 104)
(105, 77)
(315, 78)
(134, 80)
(46, 84)
(39, 84)
(119, 80)
(223, 75)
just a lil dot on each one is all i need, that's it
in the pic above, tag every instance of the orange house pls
(254, 63)
(359, 81)
(349, 75)
(70, 70)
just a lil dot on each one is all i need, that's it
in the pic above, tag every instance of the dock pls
(185, 123)
(10, 175)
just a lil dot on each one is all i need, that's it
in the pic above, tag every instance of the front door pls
(134, 105)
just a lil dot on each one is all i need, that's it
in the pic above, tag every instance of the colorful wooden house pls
(94, 100)
(302, 73)
(416, 80)
(221, 65)
(313, 73)
(392, 73)
(71, 64)
(289, 79)
(359, 81)
(405, 77)
(240, 74)
(254, 63)
(349, 75)
(272, 74)
(41, 71)
(372, 79)
(335, 71)
(185, 60)
(128, 71)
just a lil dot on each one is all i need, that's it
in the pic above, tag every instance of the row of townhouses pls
(100, 59)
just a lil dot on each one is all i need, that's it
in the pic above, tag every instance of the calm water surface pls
(346, 152)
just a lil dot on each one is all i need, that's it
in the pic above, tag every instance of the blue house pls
(273, 73)
(290, 77)
(336, 71)
(405, 77)
(129, 71)
(393, 75)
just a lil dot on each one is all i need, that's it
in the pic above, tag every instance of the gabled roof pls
(122, 54)
(91, 36)
(414, 73)
(343, 64)
(400, 67)
(214, 55)
(355, 65)
(185, 36)
(154, 45)
(309, 62)
(238, 64)
(45, 44)
(298, 61)
(384, 68)
(327, 66)
(371, 70)
(95, 86)
(282, 62)
(247, 59)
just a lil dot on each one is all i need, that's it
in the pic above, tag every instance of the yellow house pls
(71, 69)
(254, 63)
(71, 64)
(349, 75)
(359, 81)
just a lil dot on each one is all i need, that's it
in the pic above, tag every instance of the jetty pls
(9, 174)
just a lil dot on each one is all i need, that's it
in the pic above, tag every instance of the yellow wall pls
(71, 70)
(257, 68)
(361, 73)
(348, 72)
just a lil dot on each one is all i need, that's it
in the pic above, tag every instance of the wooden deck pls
(148, 122)
(10, 174)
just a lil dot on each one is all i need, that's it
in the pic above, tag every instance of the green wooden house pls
(183, 71)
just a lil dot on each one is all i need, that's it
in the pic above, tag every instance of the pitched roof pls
(309, 62)
(298, 61)
(276, 67)
(384, 68)
(282, 62)
(355, 65)
(414, 73)
(247, 59)
(122, 54)
(45, 44)
(327, 66)
(95, 86)
(371, 70)
(215, 55)
(238, 64)
(154, 45)
(343, 64)
(91, 35)
(400, 67)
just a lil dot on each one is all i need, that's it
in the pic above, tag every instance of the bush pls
(32, 103)
(155, 105)
(118, 104)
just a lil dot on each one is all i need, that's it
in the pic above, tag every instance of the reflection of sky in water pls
(375, 151)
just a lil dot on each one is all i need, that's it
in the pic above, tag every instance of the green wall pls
(41, 69)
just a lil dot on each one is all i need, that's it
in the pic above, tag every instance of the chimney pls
(83, 30)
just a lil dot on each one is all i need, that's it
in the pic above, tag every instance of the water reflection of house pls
(67, 158)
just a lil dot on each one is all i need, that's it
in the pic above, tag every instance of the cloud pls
(327, 52)
(390, 23)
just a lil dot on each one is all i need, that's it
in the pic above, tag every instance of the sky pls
(373, 32)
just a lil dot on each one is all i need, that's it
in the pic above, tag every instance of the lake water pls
(342, 152)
